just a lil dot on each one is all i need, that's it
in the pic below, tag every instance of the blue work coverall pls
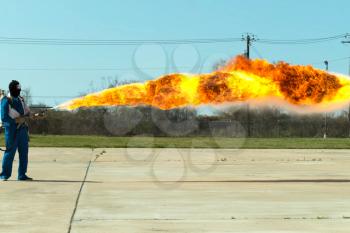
(16, 138)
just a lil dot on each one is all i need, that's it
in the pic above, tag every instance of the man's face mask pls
(16, 91)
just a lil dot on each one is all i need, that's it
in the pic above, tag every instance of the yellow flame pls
(240, 80)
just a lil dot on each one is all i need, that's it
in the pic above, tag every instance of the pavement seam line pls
(78, 197)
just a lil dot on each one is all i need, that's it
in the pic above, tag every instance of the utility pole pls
(325, 114)
(349, 104)
(347, 41)
(248, 38)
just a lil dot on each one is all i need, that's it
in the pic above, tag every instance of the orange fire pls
(239, 80)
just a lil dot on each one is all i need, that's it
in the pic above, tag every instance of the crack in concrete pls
(78, 197)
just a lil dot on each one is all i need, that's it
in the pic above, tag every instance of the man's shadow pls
(59, 181)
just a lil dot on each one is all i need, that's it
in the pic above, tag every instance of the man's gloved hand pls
(20, 120)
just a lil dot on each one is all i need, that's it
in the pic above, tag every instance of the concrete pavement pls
(171, 190)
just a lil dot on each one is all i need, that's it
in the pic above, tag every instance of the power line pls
(303, 41)
(63, 69)
(59, 41)
(331, 60)
(347, 41)
(111, 42)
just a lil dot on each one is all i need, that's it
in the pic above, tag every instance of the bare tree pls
(27, 95)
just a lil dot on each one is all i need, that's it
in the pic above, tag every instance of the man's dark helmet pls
(15, 88)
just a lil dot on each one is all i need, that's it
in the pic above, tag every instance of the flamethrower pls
(22, 121)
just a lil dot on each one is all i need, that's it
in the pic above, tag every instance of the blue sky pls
(156, 19)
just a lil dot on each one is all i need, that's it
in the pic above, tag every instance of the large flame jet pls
(239, 80)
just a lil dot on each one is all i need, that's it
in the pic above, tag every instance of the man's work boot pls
(24, 178)
(3, 178)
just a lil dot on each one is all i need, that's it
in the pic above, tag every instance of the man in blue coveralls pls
(13, 113)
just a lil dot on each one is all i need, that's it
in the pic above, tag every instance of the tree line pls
(238, 121)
